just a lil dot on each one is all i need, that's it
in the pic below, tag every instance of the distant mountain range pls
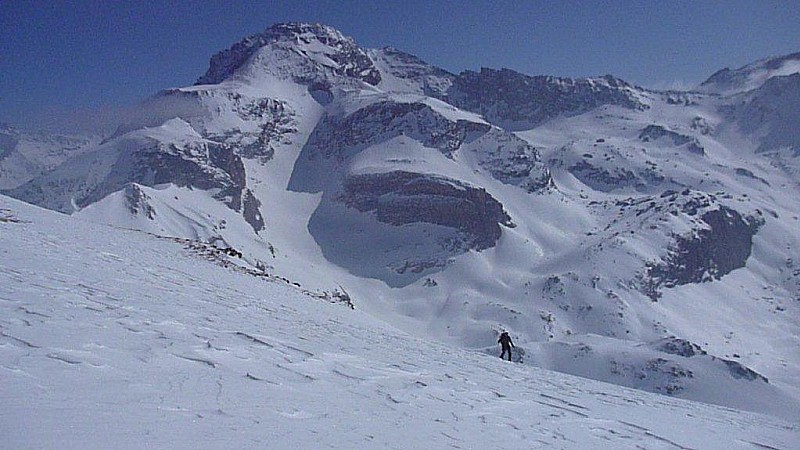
(645, 238)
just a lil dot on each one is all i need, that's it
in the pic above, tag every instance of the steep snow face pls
(770, 114)
(751, 76)
(301, 52)
(169, 210)
(170, 344)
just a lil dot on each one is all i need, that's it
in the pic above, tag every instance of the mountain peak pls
(319, 49)
(749, 77)
(303, 29)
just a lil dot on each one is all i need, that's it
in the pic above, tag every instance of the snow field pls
(118, 339)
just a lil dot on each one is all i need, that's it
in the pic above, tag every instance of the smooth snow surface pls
(120, 339)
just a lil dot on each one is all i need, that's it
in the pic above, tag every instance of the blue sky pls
(58, 57)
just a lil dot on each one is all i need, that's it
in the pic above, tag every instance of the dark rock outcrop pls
(400, 198)
(198, 165)
(737, 370)
(707, 254)
(204, 165)
(138, 202)
(507, 157)
(746, 173)
(378, 122)
(656, 132)
(680, 347)
(251, 211)
(601, 179)
(431, 80)
(516, 101)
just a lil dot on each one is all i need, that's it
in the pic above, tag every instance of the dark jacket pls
(505, 340)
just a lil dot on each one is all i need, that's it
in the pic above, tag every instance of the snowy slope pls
(593, 219)
(129, 340)
(751, 76)
(25, 155)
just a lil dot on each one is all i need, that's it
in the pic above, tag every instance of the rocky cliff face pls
(399, 198)
(305, 53)
(506, 157)
(342, 137)
(406, 72)
(270, 123)
(657, 132)
(519, 102)
(707, 254)
(357, 160)
(138, 202)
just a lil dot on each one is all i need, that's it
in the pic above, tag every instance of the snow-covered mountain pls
(129, 340)
(752, 76)
(25, 155)
(643, 238)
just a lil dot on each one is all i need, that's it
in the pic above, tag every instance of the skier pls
(505, 342)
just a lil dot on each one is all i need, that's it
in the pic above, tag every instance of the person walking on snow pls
(505, 342)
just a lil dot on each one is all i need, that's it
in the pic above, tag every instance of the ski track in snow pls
(122, 341)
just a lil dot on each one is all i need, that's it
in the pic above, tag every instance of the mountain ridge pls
(459, 205)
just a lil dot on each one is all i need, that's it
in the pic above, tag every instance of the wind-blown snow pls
(119, 339)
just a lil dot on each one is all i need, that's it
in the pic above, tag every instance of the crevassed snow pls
(132, 341)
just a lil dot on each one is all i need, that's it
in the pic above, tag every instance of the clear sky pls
(58, 56)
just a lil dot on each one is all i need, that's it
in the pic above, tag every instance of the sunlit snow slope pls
(120, 339)
(643, 238)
